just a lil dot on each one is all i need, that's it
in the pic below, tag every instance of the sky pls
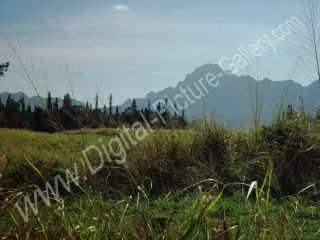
(129, 48)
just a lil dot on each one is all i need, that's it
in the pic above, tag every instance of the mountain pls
(34, 100)
(230, 102)
(227, 99)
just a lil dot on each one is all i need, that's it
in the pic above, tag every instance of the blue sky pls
(131, 47)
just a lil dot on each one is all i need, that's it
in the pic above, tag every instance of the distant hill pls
(230, 101)
(35, 100)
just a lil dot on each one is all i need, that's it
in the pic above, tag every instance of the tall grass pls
(210, 183)
(185, 214)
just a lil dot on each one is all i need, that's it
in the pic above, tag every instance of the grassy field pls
(181, 184)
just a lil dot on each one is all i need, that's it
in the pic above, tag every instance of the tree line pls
(51, 118)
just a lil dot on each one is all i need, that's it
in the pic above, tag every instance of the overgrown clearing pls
(174, 184)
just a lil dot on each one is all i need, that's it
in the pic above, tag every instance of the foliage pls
(204, 183)
(50, 118)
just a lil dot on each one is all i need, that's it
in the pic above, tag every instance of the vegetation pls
(50, 118)
(180, 181)
(175, 184)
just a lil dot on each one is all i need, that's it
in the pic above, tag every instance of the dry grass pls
(283, 158)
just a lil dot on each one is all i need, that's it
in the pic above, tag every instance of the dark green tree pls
(104, 109)
(134, 105)
(56, 105)
(49, 102)
(67, 102)
(134, 110)
(165, 112)
(8, 99)
(97, 99)
(86, 115)
(183, 111)
(116, 115)
(149, 105)
(29, 108)
(87, 105)
(11, 112)
(110, 105)
(147, 111)
(318, 114)
(68, 119)
(22, 103)
(175, 110)
(159, 107)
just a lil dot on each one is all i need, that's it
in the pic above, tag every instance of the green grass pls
(90, 138)
(50, 153)
(60, 146)
(171, 217)
(175, 184)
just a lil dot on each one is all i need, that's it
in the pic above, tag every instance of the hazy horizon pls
(132, 48)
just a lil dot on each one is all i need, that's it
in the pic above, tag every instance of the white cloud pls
(120, 7)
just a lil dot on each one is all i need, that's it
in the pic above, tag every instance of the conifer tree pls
(22, 102)
(56, 105)
(8, 99)
(318, 114)
(175, 110)
(166, 104)
(165, 113)
(149, 105)
(147, 111)
(110, 105)
(11, 112)
(117, 110)
(116, 115)
(67, 102)
(96, 106)
(87, 106)
(29, 108)
(49, 102)
(134, 110)
(104, 109)
(159, 107)
(183, 111)
(134, 105)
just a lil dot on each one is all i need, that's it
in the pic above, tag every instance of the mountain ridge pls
(230, 101)
(34, 100)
